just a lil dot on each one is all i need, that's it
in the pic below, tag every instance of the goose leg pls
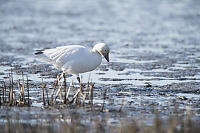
(58, 79)
(61, 76)
(79, 80)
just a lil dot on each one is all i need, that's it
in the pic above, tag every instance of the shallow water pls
(152, 43)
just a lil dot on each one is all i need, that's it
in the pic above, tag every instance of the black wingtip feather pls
(38, 52)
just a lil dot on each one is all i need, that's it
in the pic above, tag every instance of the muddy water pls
(155, 58)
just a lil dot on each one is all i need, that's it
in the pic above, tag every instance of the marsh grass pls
(12, 95)
(15, 96)
(16, 93)
(171, 125)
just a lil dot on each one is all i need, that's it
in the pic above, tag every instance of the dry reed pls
(10, 97)
(15, 95)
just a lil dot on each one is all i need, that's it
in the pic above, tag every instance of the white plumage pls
(75, 59)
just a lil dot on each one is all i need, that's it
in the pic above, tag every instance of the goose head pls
(102, 49)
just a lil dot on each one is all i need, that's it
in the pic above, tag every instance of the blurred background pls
(143, 35)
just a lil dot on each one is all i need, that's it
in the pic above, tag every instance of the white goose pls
(75, 59)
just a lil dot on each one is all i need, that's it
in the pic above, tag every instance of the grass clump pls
(171, 125)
